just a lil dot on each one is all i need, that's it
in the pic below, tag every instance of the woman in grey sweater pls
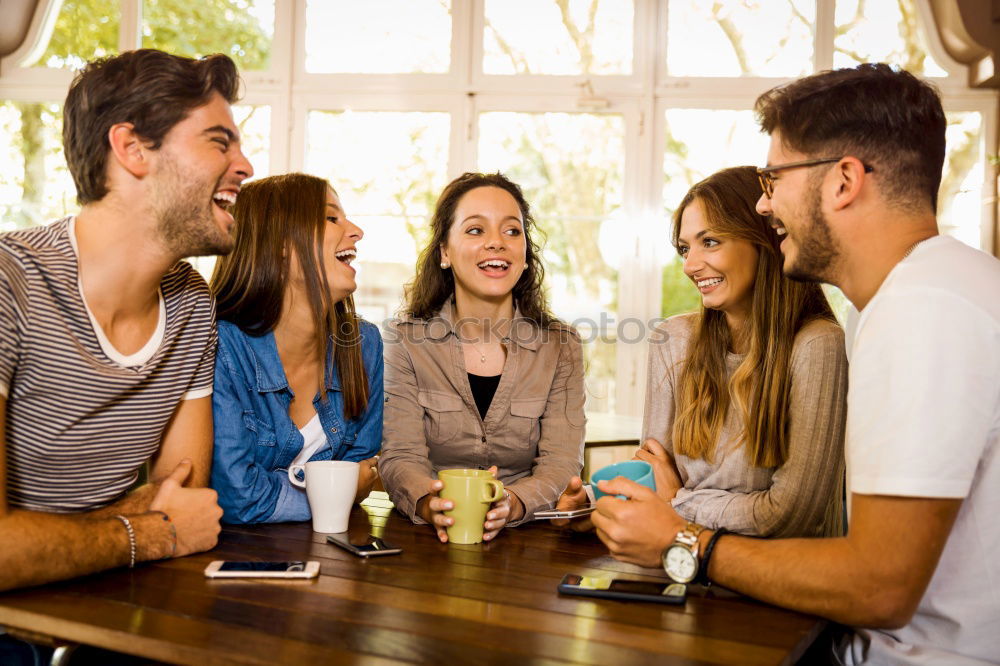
(745, 399)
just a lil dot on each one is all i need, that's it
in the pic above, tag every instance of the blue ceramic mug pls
(637, 470)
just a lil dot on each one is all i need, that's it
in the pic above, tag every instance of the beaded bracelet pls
(131, 540)
(173, 533)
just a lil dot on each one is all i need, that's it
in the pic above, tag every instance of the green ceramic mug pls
(472, 491)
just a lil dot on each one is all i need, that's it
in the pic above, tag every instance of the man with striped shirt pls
(107, 338)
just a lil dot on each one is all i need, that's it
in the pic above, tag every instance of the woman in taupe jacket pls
(478, 374)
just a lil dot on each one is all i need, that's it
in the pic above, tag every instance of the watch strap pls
(702, 576)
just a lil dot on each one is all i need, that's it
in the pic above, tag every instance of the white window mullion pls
(824, 35)
(130, 25)
(467, 59)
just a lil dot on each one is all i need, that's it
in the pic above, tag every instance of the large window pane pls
(242, 29)
(571, 167)
(882, 32)
(35, 185)
(699, 142)
(558, 37)
(255, 133)
(388, 169)
(84, 30)
(740, 38)
(960, 198)
(378, 36)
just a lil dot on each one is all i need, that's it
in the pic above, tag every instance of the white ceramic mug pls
(330, 486)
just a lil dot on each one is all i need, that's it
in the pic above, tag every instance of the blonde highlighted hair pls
(761, 385)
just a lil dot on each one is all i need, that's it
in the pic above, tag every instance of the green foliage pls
(679, 295)
(197, 29)
(84, 30)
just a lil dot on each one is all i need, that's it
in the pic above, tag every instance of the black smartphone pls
(371, 548)
(606, 587)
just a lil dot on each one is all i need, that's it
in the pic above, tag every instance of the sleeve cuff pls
(292, 505)
(194, 394)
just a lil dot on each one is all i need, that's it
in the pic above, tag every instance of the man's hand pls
(635, 530)
(195, 512)
(668, 480)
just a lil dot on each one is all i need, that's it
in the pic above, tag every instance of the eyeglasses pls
(767, 180)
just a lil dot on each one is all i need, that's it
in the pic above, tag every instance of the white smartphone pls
(550, 514)
(373, 547)
(231, 569)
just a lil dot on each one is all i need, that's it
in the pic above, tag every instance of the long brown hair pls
(432, 285)
(761, 384)
(274, 217)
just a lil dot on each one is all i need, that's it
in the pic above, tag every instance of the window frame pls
(465, 91)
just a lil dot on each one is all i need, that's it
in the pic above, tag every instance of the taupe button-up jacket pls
(533, 431)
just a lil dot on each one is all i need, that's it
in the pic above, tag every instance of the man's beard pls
(185, 215)
(818, 251)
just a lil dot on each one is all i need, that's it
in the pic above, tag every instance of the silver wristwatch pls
(680, 559)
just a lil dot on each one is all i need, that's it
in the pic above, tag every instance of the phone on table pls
(550, 514)
(231, 569)
(586, 510)
(606, 587)
(373, 547)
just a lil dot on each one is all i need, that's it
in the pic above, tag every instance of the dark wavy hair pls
(150, 89)
(432, 286)
(275, 217)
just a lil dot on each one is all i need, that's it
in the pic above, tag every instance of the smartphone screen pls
(605, 587)
(263, 566)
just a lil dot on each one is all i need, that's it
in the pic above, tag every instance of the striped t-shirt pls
(81, 418)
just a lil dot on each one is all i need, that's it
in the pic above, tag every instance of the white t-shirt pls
(923, 420)
(313, 439)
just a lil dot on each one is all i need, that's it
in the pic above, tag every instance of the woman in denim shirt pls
(298, 375)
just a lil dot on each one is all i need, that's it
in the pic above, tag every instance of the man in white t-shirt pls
(107, 339)
(853, 171)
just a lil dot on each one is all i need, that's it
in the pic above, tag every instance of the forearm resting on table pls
(874, 577)
(43, 547)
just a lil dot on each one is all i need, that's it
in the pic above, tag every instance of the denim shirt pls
(256, 440)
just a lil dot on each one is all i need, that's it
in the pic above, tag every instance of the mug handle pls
(292, 471)
(497, 487)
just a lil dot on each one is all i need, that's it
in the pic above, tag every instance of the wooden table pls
(439, 604)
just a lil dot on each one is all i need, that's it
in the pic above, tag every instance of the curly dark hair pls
(432, 286)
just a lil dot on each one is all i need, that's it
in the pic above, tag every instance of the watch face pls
(680, 563)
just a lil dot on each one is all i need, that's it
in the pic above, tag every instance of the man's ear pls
(851, 176)
(128, 149)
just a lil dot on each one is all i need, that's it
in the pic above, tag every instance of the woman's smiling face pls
(486, 245)
(723, 269)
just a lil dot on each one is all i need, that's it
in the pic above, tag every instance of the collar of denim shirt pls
(270, 374)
